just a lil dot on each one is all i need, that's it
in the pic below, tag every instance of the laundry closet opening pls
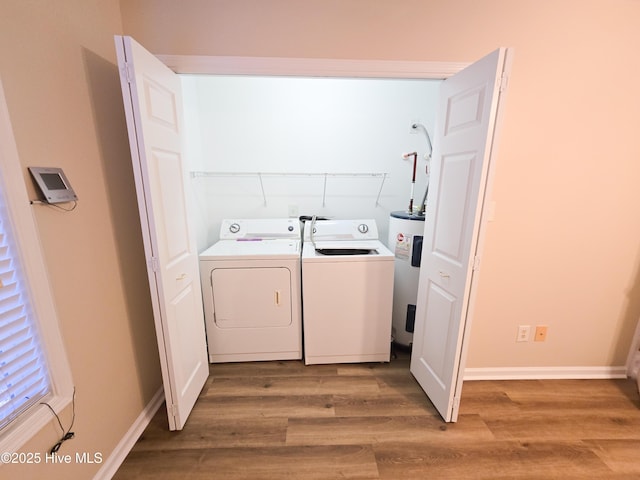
(284, 146)
(469, 105)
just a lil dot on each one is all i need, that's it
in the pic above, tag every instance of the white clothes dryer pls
(251, 291)
(347, 293)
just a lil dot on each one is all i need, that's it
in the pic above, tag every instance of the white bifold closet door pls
(153, 107)
(468, 109)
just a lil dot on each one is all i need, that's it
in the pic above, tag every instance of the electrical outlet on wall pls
(523, 333)
(541, 333)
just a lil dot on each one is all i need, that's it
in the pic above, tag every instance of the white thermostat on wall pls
(53, 184)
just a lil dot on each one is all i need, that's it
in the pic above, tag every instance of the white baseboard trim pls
(545, 373)
(117, 456)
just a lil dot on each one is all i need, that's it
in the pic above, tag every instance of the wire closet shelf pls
(325, 175)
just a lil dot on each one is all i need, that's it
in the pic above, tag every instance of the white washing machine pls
(347, 293)
(251, 291)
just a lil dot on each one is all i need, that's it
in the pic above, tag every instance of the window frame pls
(24, 229)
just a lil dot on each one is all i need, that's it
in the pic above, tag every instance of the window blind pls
(24, 378)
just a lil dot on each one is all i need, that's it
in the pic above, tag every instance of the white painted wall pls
(277, 125)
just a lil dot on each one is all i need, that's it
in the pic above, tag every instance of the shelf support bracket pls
(384, 177)
(264, 195)
(324, 190)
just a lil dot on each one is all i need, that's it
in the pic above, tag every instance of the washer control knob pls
(234, 228)
(363, 228)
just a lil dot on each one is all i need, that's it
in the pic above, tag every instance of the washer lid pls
(373, 251)
(357, 245)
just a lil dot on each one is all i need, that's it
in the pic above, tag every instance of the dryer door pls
(251, 297)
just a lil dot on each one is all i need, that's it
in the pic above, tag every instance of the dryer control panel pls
(260, 229)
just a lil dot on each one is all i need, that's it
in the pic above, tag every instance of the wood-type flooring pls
(284, 420)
